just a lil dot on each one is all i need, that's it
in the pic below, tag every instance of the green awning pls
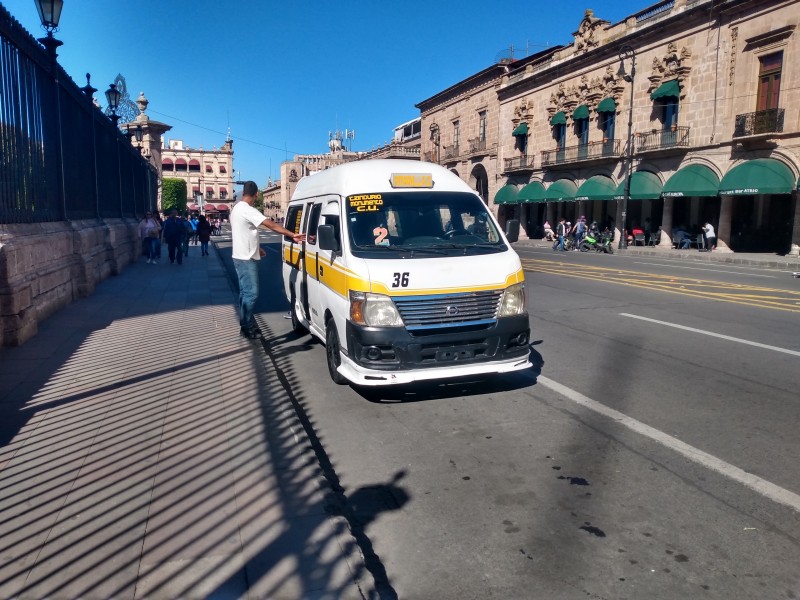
(667, 89)
(691, 181)
(522, 129)
(533, 192)
(598, 187)
(582, 112)
(607, 105)
(644, 186)
(559, 118)
(506, 195)
(758, 176)
(561, 190)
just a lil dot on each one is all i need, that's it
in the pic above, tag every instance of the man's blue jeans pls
(247, 270)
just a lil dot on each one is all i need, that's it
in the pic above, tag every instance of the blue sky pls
(281, 75)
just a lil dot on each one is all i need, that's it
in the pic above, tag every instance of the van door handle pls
(320, 270)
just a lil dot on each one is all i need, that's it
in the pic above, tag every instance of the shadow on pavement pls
(148, 451)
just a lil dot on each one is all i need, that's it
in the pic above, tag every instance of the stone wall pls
(46, 266)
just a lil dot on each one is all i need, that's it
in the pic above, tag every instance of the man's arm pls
(296, 237)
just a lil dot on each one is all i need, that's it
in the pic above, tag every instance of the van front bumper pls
(390, 355)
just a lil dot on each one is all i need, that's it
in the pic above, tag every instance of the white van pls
(405, 275)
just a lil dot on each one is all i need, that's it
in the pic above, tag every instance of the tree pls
(173, 195)
(259, 201)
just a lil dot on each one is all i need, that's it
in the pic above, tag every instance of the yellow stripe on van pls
(341, 280)
(513, 278)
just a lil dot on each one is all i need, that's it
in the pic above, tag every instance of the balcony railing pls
(518, 163)
(450, 152)
(756, 123)
(582, 152)
(658, 139)
(477, 145)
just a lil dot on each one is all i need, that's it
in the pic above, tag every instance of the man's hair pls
(250, 188)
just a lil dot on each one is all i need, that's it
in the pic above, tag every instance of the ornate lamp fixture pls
(112, 97)
(49, 15)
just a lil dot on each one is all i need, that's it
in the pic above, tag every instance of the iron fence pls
(60, 157)
(582, 152)
(662, 139)
(762, 121)
(518, 163)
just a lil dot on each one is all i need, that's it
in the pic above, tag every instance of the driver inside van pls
(479, 226)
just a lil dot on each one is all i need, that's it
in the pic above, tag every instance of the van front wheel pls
(297, 326)
(334, 353)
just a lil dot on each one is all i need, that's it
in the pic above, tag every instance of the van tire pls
(333, 353)
(297, 326)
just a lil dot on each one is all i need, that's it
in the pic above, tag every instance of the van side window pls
(293, 218)
(334, 220)
(313, 221)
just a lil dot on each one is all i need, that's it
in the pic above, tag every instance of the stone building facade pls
(208, 173)
(405, 144)
(461, 129)
(715, 125)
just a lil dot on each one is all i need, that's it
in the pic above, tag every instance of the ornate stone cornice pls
(672, 65)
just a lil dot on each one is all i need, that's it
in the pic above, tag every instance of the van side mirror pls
(512, 230)
(326, 237)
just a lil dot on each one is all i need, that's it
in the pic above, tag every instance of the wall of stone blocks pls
(46, 266)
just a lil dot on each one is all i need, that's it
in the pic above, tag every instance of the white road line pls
(640, 262)
(716, 335)
(755, 483)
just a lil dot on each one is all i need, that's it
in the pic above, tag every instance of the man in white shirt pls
(711, 237)
(245, 221)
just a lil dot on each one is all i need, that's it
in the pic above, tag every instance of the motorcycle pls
(591, 242)
(599, 242)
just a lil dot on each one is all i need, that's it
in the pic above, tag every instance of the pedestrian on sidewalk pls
(149, 232)
(711, 236)
(173, 235)
(203, 234)
(188, 234)
(245, 221)
(194, 221)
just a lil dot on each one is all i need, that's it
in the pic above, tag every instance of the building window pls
(222, 169)
(669, 112)
(209, 194)
(194, 166)
(482, 126)
(582, 131)
(209, 169)
(456, 133)
(607, 122)
(560, 136)
(223, 195)
(769, 81)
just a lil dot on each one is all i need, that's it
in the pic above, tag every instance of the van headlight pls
(513, 302)
(373, 310)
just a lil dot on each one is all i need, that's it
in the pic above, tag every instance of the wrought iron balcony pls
(450, 152)
(658, 139)
(477, 145)
(760, 122)
(582, 152)
(518, 163)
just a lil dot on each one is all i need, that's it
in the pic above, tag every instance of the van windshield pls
(420, 225)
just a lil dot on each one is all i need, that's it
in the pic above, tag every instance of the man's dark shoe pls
(250, 334)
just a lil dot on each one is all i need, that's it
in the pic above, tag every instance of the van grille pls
(428, 312)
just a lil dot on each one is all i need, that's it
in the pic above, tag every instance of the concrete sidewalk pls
(763, 260)
(150, 452)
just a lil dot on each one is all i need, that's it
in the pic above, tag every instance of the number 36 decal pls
(400, 280)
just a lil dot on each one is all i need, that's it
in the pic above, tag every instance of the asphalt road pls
(654, 452)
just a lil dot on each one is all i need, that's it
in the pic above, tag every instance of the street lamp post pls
(625, 53)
